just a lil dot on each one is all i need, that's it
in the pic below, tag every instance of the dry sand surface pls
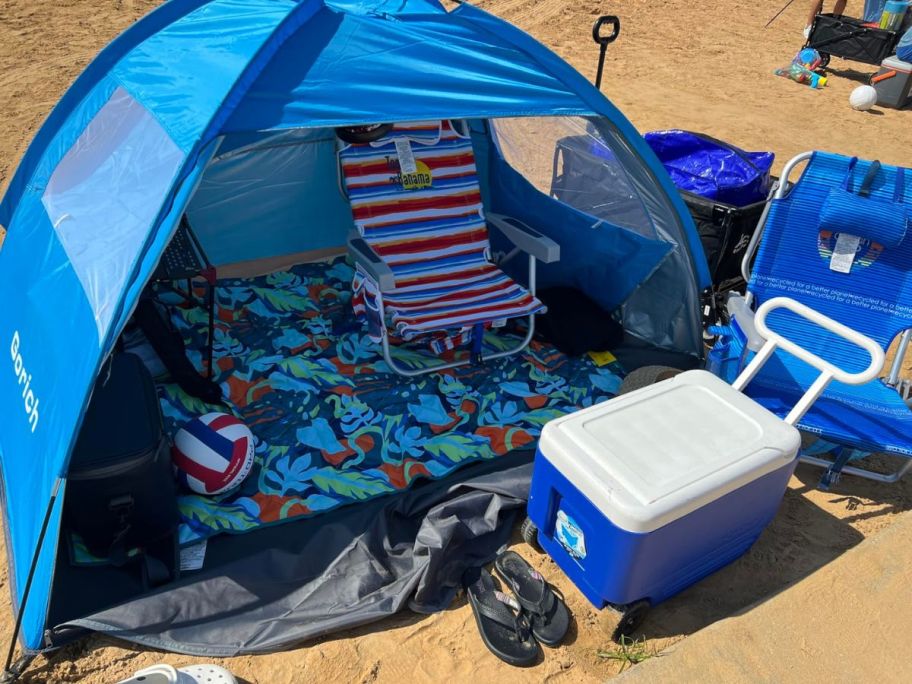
(831, 619)
(701, 65)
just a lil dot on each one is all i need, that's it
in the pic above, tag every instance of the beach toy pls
(863, 98)
(801, 74)
(893, 15)
(213, 453)
(809, 58)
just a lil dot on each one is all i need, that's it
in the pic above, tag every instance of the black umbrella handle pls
(604, 39)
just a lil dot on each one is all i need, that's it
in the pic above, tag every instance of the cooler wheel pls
(623, 621)
(646, 376)
(529, 533)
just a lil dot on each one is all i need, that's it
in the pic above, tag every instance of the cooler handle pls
(883, 77)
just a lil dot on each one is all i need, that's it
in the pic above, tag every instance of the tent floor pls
(333, 425)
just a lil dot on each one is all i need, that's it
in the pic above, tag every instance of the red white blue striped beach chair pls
(420, 244)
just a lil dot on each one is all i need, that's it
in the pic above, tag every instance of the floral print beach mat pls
(333, 424)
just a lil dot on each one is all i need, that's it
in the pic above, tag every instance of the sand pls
(841, 622)
(700, 65)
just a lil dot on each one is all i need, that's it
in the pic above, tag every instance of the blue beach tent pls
(193, 110)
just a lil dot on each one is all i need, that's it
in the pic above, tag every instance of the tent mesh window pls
(566, 158)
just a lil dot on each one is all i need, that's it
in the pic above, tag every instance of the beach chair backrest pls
(416, 200)
(796, 254)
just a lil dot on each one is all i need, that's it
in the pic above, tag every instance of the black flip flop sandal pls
(501, 623)
(548, 614)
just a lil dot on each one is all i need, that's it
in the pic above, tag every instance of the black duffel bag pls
(121, 497)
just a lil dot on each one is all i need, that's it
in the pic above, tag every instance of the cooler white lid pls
(652, 456)
(895, 62)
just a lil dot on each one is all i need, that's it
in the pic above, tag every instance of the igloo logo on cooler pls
(24, 379)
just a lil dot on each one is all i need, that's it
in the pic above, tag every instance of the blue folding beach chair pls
(838, 242)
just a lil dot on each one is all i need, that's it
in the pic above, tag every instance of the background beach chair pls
(796, 259)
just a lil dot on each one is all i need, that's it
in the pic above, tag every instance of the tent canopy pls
(100, 191)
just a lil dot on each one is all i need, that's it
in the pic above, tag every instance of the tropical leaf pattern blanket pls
(333, 424)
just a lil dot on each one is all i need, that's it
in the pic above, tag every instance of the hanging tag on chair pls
(406, 156)
(844, 253)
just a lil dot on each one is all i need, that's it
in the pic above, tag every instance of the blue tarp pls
(180, 80)
(711, 168)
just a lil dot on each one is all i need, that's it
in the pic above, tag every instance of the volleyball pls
(213, 453)
(863, 98)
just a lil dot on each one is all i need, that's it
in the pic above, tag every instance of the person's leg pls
(817, 8)
(839, 8)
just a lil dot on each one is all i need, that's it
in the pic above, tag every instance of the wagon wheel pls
(623, 621)
(824, 60)
(529, 533)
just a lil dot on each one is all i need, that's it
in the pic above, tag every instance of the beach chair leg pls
(519, 347)
(832, 474)
(412, 372)
(893, 379)
(886, 478)
(905, 391)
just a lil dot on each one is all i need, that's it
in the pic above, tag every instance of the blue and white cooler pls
(641, 496)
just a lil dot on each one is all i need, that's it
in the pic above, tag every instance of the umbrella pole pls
(779, 13)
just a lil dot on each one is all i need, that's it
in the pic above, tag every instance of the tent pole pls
(31, 574)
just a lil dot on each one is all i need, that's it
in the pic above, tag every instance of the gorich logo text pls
(24, 378)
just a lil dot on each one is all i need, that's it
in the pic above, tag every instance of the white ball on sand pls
(863, 98)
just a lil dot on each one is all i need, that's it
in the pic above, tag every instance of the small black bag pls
(121, 497)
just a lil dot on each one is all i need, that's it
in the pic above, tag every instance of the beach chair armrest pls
(740, 313)
(371, 263)
(525, 238)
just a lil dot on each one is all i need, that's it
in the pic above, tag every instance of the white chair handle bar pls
(828, 371)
